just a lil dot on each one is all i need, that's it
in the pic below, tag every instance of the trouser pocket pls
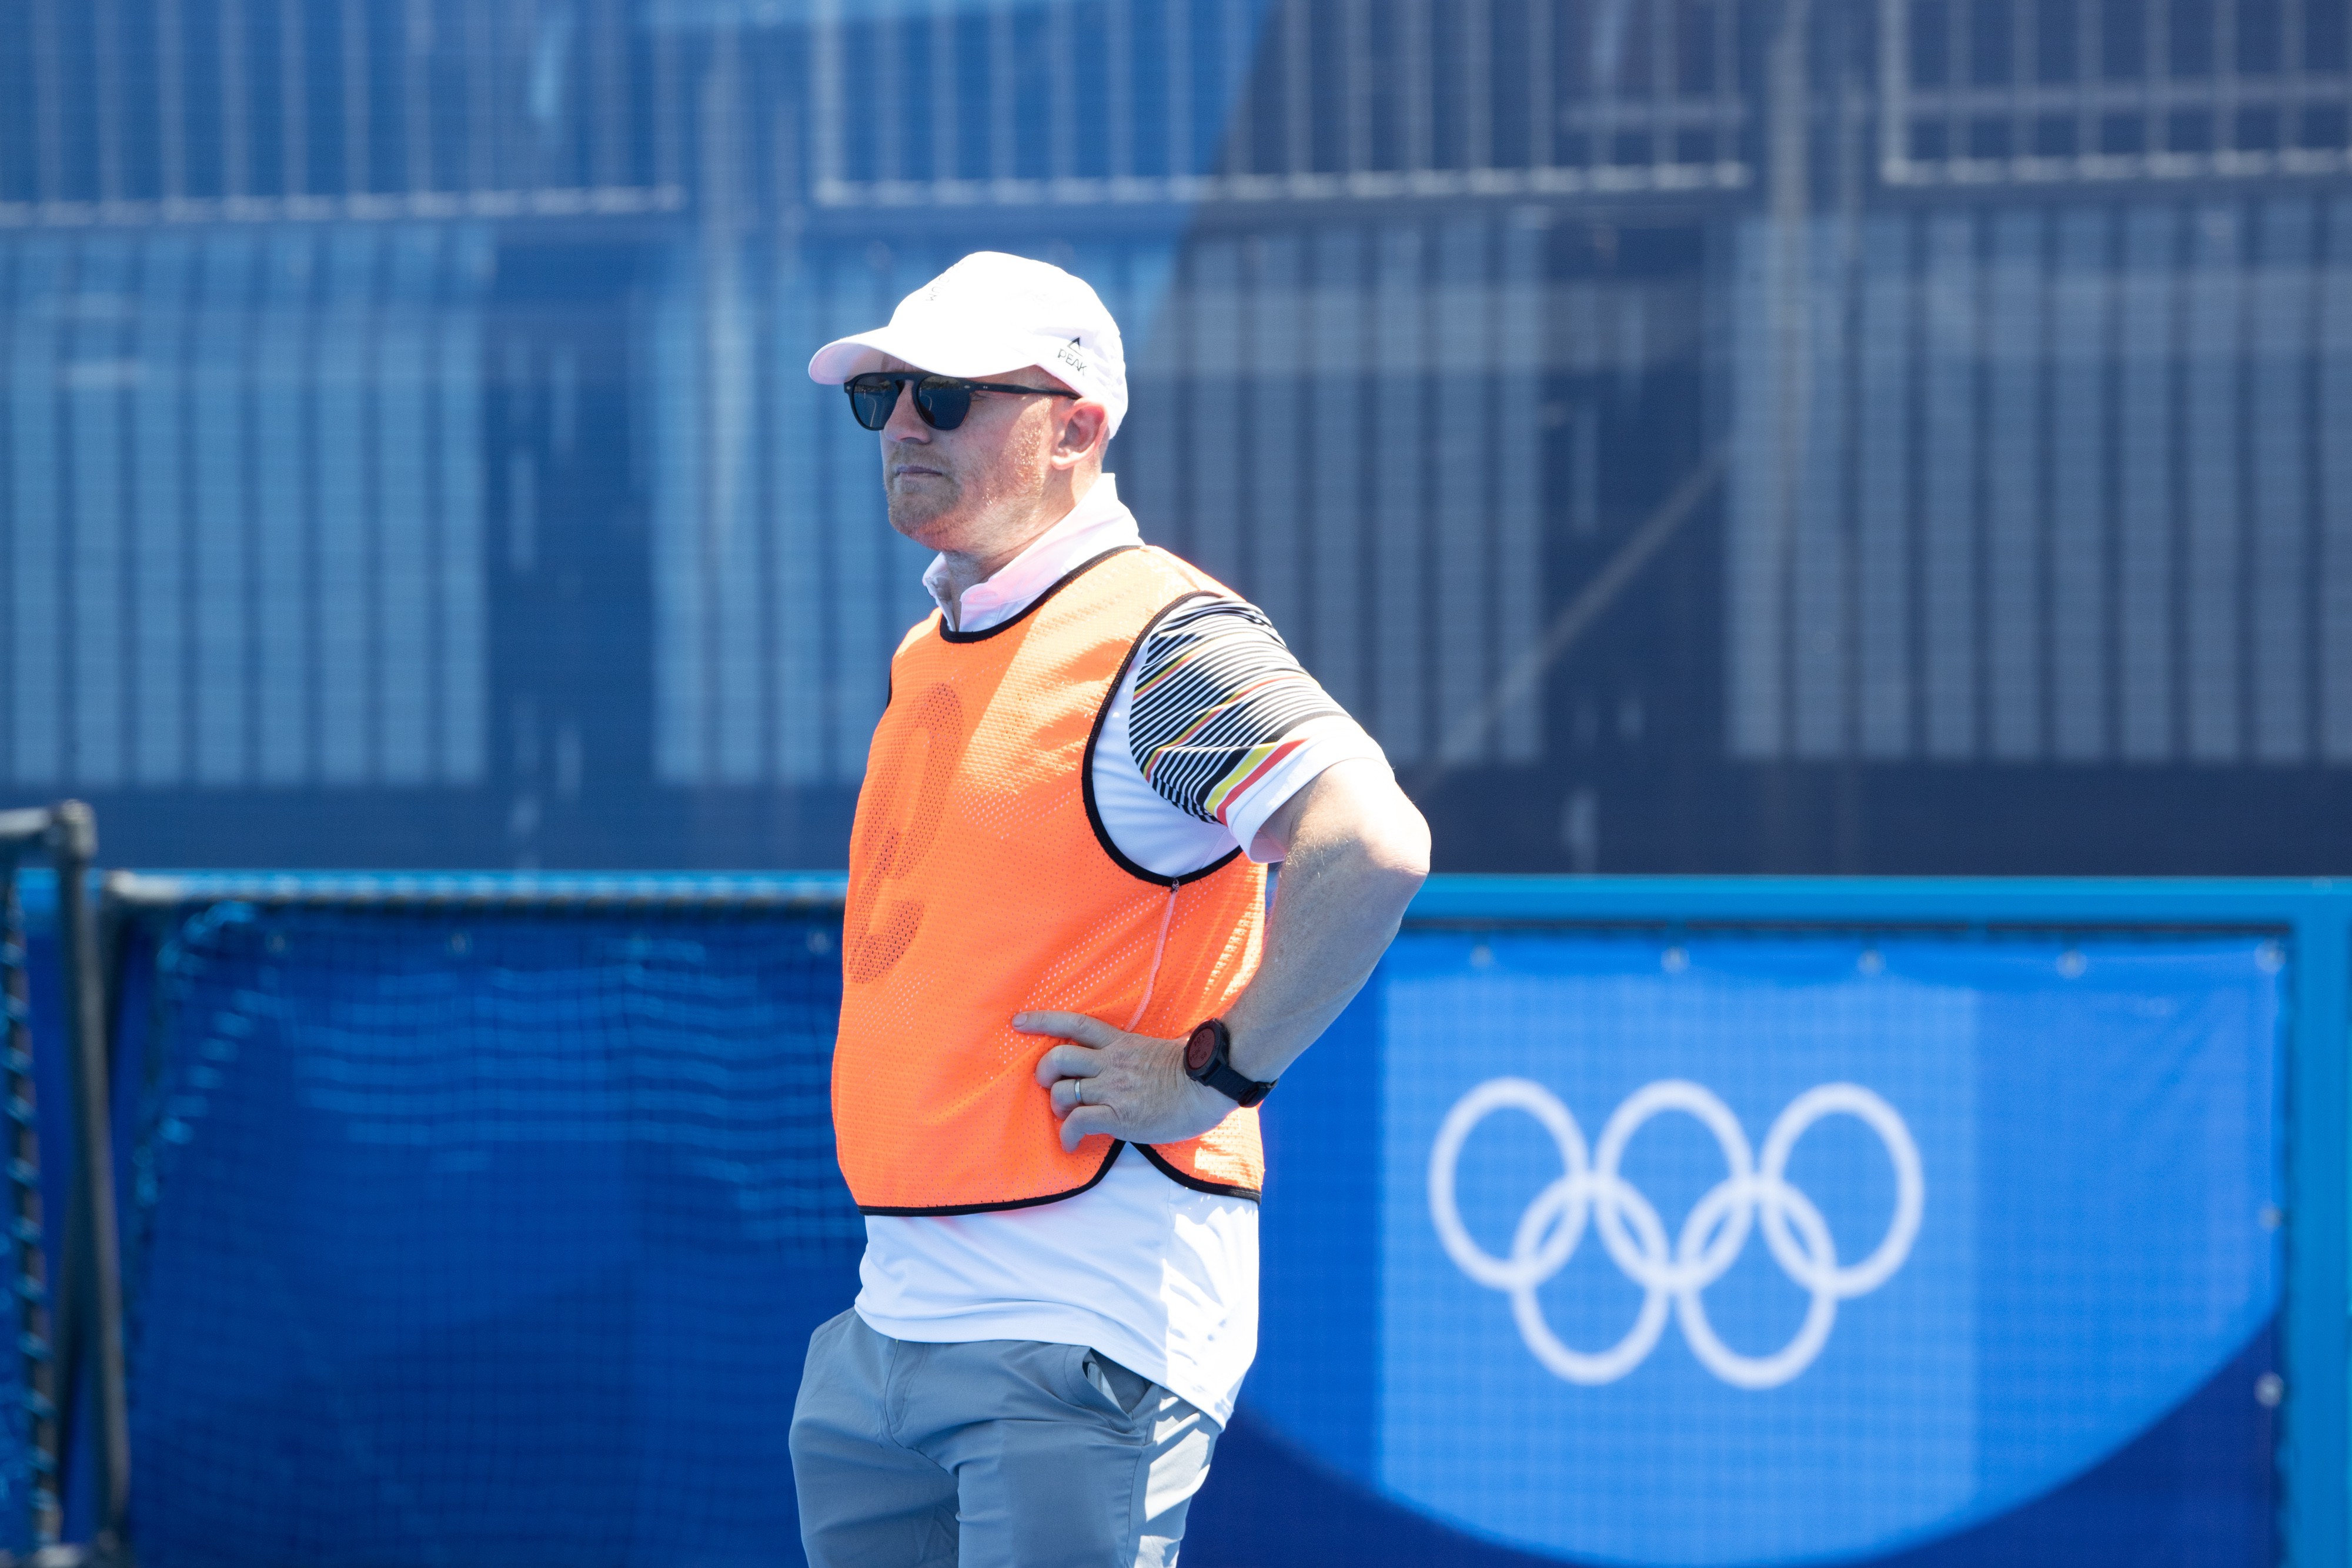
(1122, 1385)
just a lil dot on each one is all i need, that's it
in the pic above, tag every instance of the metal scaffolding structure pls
(139, 112)
(2034, 92)
(1368, 99)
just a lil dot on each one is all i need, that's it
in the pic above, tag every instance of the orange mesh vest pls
(982, 884)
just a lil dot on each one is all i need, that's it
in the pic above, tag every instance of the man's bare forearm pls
(1355, 851)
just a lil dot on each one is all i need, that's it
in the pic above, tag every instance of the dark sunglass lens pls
(871, 399)
(942, 405)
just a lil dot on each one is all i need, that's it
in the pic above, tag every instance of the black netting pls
(464, 1238)
(27, 1504)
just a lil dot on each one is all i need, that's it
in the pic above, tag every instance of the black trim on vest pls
(1094, 739)
(1060, 583)
(945, 1210)
(1217, 1188)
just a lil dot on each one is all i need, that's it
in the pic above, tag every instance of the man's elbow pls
(1396, 849)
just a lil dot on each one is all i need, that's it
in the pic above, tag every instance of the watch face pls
(1199, 1049)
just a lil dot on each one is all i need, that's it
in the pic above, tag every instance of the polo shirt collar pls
(1099, 522)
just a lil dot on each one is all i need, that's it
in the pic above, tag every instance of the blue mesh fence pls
(495, 1234)
(459, 1239)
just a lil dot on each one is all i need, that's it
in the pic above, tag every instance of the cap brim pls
(977, 355)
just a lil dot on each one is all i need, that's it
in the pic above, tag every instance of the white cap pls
(987, 314)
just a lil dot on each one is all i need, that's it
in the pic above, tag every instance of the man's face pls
(957, 489)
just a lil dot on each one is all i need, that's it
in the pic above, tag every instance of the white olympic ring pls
(1710, 1239)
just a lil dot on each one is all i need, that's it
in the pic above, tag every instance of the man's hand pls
(1131, 1086)
(1355, 850)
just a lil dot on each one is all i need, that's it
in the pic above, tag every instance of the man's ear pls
(1084, 431)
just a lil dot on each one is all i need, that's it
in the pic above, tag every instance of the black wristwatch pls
(1208, 1059)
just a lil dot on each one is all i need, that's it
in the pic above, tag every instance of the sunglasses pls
(942, 401)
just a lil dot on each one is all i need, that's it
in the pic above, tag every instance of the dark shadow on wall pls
(1666, 815)
(604, 828)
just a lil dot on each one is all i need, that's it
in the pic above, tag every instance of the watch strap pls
(1228, 1080)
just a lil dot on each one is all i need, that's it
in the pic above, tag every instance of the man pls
(1063, 993)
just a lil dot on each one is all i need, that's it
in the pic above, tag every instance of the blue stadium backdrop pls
(1794, 1223)
(1861, 435)
(1967, 1217)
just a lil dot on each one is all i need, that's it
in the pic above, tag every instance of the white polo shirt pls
(1153, 1274)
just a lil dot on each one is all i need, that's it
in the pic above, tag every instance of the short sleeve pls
(1226, 726)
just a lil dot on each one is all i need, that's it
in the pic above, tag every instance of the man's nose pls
(905, 424)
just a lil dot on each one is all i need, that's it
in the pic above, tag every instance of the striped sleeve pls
(1220, 704)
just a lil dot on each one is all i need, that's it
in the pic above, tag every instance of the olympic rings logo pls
(1591, 1191)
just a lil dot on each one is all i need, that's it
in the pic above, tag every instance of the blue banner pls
(1735, 1250)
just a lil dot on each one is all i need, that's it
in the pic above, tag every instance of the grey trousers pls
(988, 1454)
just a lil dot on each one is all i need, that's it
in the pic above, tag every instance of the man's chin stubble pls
(914, 508)
(915, 521)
